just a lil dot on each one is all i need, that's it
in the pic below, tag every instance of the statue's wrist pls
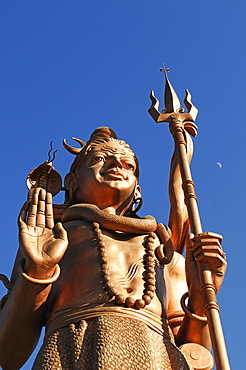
(195, 313)
(37, 270)
(40, 275)
(195, 303)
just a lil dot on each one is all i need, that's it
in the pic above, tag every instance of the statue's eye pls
(99, 158)
(129, 166)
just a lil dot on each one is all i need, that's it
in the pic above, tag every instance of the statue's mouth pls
(114, 175)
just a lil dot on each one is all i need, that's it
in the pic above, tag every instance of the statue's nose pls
(115, 162)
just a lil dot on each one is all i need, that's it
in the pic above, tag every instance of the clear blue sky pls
(68, 67)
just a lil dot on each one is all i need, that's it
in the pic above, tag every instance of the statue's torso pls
(81, 282)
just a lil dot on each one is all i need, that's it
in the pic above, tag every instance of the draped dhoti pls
(108, 342)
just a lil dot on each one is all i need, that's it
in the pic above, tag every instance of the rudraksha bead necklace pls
(148, 275)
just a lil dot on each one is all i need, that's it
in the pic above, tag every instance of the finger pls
(202, 247)
(32, 214)
(190, 240)
(30, 194)
(210, 245)
(189, 246)
(207, 241)
(208, 235)
(40, 220)
(60, 231)
(22, 215)
(49, 219)
(212, 260)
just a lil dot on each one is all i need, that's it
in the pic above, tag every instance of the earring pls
(70, 188)
(139, 202)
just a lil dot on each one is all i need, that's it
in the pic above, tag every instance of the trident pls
(179, 120)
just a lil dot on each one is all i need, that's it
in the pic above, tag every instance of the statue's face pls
(107, 175)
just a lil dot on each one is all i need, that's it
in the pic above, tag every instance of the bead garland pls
(148, 275)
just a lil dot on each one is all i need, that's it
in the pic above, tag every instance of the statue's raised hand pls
(42, 244)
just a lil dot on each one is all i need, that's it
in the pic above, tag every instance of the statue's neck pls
(107, 220)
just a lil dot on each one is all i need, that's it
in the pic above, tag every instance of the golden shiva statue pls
(103, 281)
(111, 287)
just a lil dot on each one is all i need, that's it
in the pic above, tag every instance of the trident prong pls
(173, 108)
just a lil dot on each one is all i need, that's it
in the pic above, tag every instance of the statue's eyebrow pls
(107, 149)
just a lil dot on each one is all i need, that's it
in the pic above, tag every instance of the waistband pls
(64, 317)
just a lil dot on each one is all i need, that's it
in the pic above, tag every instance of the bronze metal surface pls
(106, 283)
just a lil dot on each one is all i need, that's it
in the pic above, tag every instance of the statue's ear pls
(70, 182)
(137, 193)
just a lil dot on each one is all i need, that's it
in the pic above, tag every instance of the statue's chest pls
(102, 264)
(119, 250)
(124, 252)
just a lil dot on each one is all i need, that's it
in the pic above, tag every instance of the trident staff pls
(179, 120)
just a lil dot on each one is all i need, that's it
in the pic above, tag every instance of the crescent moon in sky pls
(219, 164)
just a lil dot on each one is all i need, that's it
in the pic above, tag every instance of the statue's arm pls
(21, 321)
(205, 249)
(41, 247)
(184, 328)
(178, 218)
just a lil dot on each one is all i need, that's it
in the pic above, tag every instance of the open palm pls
(42, 243)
